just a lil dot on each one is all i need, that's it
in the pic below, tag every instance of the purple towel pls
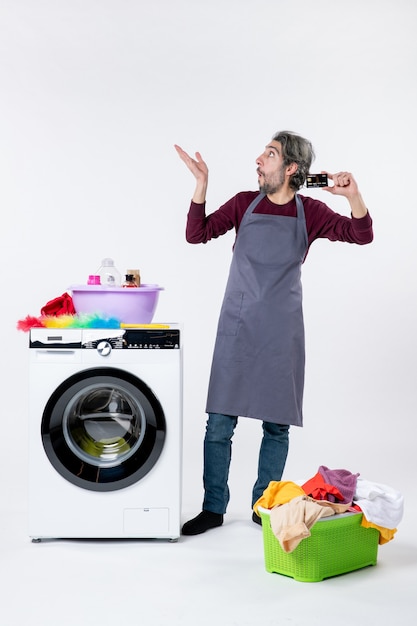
(342, 479)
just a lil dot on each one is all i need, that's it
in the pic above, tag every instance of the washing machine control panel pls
(135, 339)
(104, 348)
(105, 340)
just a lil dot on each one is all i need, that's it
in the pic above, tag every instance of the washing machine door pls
(103, 429)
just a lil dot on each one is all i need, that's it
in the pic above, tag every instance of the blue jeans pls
(218, 453)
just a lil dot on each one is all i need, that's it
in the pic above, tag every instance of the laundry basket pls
(337, 545)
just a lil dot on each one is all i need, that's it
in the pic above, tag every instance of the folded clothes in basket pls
(278, 492)
(337, 485)
(291, 522)
(381, 506)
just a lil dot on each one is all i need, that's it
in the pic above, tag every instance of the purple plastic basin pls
(134, 305)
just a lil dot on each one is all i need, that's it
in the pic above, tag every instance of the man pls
(258, 362)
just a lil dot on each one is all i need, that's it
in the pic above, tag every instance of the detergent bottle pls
(109, 274)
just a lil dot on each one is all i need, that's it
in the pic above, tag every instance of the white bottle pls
(109, 274)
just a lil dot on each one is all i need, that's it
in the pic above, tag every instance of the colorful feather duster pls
(67, 321)
(60, 313)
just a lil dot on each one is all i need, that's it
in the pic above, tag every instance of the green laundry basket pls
(337, 545)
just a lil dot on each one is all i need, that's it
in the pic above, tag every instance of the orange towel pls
(278, 492)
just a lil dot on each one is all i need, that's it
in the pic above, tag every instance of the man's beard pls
(273, 182)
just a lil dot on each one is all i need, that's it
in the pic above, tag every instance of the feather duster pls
(67, 321)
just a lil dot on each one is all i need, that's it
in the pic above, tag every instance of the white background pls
(93, 95)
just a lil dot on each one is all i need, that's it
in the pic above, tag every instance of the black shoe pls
(256, 518)
(204, 521)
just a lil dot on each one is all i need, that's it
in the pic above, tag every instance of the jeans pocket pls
(230, 314)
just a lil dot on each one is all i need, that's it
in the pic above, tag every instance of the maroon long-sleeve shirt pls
(321, 221)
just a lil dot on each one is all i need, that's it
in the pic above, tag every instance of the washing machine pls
(105, 432)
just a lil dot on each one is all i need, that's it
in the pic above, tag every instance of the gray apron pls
(258, 362)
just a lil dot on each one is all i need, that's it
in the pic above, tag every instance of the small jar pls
(94, 279)
(129, 281)
(136, 276)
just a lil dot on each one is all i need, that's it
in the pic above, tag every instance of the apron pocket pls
(230, 313)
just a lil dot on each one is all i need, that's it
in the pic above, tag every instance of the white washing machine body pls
(105, 433)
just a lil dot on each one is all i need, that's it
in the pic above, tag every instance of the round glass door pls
(103, 429)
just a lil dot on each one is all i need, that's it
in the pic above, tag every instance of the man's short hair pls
(296, 149)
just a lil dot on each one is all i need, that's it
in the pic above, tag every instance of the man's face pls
(270, 170)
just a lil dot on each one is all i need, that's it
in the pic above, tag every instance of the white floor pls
(215, 578)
